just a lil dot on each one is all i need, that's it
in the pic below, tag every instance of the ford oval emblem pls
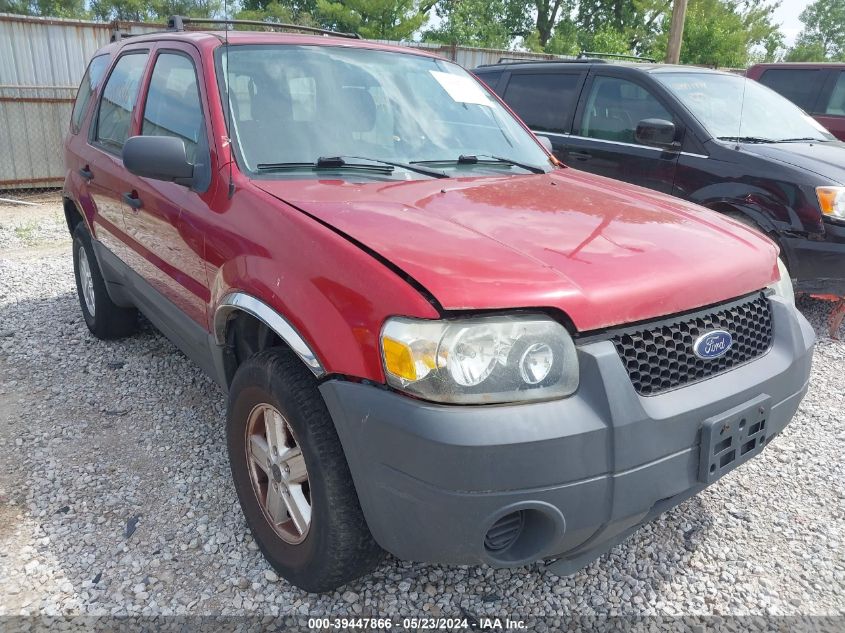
(713, 344)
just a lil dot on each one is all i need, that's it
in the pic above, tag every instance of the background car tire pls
(104, 318)
(338, 546)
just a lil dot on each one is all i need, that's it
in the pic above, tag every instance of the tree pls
(548, 12)
(295, 11)
(55, 8)
(484, 23)
(152, 11)
(823, 36)
(724, 32)
(377, 19)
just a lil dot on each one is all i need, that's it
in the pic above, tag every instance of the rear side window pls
(89, 84)
(119, 96)
(799, 85)
(614, 108)
(543, 101)
(836, 103)
(173, 108)
(491, 78)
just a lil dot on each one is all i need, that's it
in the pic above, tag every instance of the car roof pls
(800, 65)
(648, 68)
(213, 39)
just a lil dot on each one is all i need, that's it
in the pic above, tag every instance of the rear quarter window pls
(93, 75)
(800, 85)
(545, 101)
(491, 78)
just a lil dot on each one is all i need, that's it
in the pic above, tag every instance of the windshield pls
(762, 115)
(295, 105)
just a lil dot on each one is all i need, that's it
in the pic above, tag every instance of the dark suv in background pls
(714, 138)
(818, 89)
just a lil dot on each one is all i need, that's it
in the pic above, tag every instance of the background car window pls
(614, 108)
(836, 103)
(173, 105)
(731, 106)
(89, 84)
(491, 79)
(543, 101)
(119, 96)
(799, 85)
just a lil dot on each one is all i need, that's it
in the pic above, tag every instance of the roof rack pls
(586, 55)
(556, 60)
(178, 22)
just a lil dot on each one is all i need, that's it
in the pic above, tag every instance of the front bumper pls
(586, 470)
(818, 265)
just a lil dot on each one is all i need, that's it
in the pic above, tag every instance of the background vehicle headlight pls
(832, 201)
(482, 360)
(783, 287)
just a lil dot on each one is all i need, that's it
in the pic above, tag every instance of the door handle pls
(86, 173)
(131, 198)
(580, 155)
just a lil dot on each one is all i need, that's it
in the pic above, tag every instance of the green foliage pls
(279, 11)
(56, 8)
(155, 11)
(484, 23)
(607, 39)
(723, 33)
(378, 19)
(823, 36)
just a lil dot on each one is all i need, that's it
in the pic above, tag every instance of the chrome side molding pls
(239, 301)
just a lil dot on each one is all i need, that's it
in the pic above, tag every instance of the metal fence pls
(42, 61)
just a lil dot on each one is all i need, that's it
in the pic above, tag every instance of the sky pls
(787, 15)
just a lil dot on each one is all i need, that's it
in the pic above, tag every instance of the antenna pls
(741, 111)
(228, 103)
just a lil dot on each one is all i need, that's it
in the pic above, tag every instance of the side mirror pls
(657, 132)
(546, 143)
(158, 157)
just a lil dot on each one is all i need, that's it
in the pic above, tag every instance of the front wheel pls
(292, 478)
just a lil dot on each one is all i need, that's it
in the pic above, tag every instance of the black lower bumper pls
(818, 265)
(584, 471)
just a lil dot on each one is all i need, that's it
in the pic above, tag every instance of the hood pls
(604, 252)
(824, 159)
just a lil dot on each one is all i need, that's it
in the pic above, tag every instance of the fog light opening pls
(504, 532)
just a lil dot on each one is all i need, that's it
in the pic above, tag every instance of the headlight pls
(481, 360)
(832, 201)
(783, 287)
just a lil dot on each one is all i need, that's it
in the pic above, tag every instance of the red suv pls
(436, 340)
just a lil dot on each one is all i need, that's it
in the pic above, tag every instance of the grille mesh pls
(660, 357)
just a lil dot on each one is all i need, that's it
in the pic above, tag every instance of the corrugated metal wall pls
(42, 61)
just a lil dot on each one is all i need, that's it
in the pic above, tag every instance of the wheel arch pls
(73, 214)
(235, 304)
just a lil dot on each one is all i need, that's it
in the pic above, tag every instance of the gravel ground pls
(115, 496)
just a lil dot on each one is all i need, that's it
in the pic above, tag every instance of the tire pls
(104, 318)
(273, 390)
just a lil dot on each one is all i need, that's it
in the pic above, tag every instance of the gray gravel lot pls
(115, 495)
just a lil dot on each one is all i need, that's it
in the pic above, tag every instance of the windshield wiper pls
(340, 162)
(327, 163)
(488, 159)
(802, 138)
(746, 139)
(434, 173)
